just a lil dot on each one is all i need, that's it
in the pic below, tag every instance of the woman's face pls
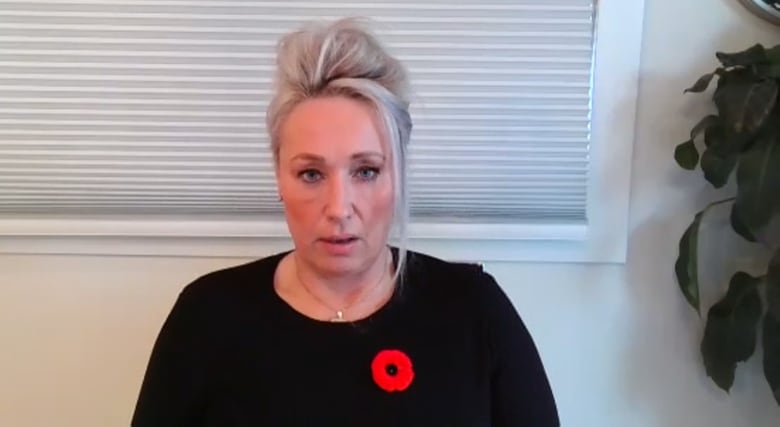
(335, 179)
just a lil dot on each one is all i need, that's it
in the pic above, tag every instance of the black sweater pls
(233, 353)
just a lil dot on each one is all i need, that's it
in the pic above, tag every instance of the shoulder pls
(453, 279)
(233, 283)
(419, 263)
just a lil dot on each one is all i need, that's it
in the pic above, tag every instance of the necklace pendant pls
(339, 317)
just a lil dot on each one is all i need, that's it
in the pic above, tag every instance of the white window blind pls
(157, 106)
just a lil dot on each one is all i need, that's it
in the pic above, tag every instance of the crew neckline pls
(284, 308)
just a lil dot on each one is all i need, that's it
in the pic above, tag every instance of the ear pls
(277, 175)
(278, 190)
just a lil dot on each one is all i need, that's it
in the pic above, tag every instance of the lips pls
(340, 246)
(342, 240)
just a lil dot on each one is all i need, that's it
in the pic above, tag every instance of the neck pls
(343, 289)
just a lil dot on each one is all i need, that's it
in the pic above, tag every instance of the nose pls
(339, 203)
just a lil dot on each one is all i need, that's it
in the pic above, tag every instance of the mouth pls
(340, 240)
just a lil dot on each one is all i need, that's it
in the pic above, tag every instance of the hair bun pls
(310, 58)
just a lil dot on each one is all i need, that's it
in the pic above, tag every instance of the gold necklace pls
(339, 317)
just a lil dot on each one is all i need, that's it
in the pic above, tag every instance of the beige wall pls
(75, 333)
(620, 345)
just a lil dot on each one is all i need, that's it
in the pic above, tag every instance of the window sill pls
(241, 238)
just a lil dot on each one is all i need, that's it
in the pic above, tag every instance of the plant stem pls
(720, 202)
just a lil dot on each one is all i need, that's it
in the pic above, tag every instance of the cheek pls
(301, 221)
(297, 206)
(379, 203)
(293, 191)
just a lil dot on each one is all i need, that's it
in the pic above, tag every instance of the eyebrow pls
(357, 156)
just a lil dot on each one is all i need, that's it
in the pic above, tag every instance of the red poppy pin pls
(392, 370)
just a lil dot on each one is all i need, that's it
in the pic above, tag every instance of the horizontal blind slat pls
(150, 106)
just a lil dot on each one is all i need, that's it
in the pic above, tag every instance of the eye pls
(367, 173)
(310, 175)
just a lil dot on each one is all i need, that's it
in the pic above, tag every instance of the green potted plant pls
(742, 139)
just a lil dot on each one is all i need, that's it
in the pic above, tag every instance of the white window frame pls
(603, 239)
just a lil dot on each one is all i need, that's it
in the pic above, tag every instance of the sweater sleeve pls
(173, 388)
(521, 393)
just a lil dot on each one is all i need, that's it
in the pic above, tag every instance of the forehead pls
(332, 127)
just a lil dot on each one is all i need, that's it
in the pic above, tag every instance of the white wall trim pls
(241, 238)
(619, 27)
(225, 228)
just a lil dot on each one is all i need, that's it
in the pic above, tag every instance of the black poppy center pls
(391, 369)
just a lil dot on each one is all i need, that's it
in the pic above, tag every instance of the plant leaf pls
(767, 70)
(721, 154)
(704, 124)
(686, 267)
(703, 82)
(730, 333)
(758, 182)
(752, 55)
(686, 155)
(771, 342)
(773, 285)
(713, 134)
(744, 104)
(771, 332)
(773, 54)
(739, 226)
(717, 169)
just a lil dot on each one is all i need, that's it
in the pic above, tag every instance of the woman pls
(344, 330)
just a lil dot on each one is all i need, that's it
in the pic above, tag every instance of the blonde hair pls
(344, 58)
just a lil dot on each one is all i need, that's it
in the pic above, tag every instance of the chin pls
(341, 264)
(359, 258)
